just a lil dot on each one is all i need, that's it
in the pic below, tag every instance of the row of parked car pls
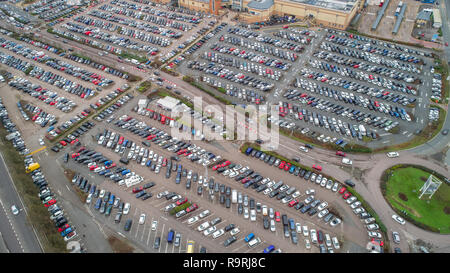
(221, 71)
(203, 40)
(114, 107)
(147, 27)
(71, 138)
(39, 116)
(49, 10)
(259, 47)
(109, 38)
(152, 15)
(371, 58)
(13, 133)
(300, 36)
(258, 36)
(43, 94)
(107, 69)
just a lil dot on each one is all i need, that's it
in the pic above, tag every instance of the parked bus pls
(190, 247)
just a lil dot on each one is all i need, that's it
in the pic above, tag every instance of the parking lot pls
(332, 86)
(236, 214)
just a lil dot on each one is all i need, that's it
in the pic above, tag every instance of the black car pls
(157, 242)
(228, 203)
(266, 222)
(229, 227)
(199, 190)
(240, 209)
(229, 241)
(128, 224)
(222, 199)
(140, 194)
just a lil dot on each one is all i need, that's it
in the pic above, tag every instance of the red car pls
(342, 190)
(110, 166)
(61, 229)
(74, 141)
(75, 155)
(181, 201)
(245, 180)
(49, 203)
(226, 163)
(63, 143)
(216, 167)
(346, 195)
(287, 167)
(282, 165)
(164, 163)
(340, 153)
(317, 167)
(285, 26)
(91, 168)
(293, 203)
(192, 208)
(277, 216)
(136, 190)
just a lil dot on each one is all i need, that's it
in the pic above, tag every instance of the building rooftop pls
(424, 15)
(340, 5)
(260, 4)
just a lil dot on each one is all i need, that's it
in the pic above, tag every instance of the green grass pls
(429, 212)
(144, 86)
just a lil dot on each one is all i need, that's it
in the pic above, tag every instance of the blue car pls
(249, 237)
(67, 231)
(98, 204)
(269, 249)
(111, 199)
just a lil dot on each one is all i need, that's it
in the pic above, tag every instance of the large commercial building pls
(326, 13)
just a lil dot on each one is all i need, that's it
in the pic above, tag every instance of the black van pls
(127, 226)
(124, 160)
(284, 219)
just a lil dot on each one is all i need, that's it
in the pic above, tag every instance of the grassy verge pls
(128, 55)
(180, 208)
(400, 186)
(192, 82)
(429, 132)
(119, 246)
(144, 86)
(38, 215)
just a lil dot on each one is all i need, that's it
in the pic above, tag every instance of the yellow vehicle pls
(190, 247)
(32, 167)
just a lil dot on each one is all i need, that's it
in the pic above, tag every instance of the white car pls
(335, 243)
(41, 142)
(374, 234)
(398, 219)
(335, 187)
(322, 206)
(126, 208)
(392, 154)
(234, 231)
(192, 220)
(296, 194)
(347, 161)
(329, 184)
(351, 200)
(253, 215)
(310, 191)
(154, 225)
(102, 193)
(246, 213)
(372, 227)
(142, 219)
(264, 210)
(14, 210)
(89, 199)
(209, 231)
(322, 213)
(203, 226)
(307, 244)
(305, 231)
(355, 205)
(271, 213)
(298, 227)
(218, 233)
(327, 240)
(335, 222)
(272, 225)
(369, 220)
(204, 214)
(303, 149)
(267, 191)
